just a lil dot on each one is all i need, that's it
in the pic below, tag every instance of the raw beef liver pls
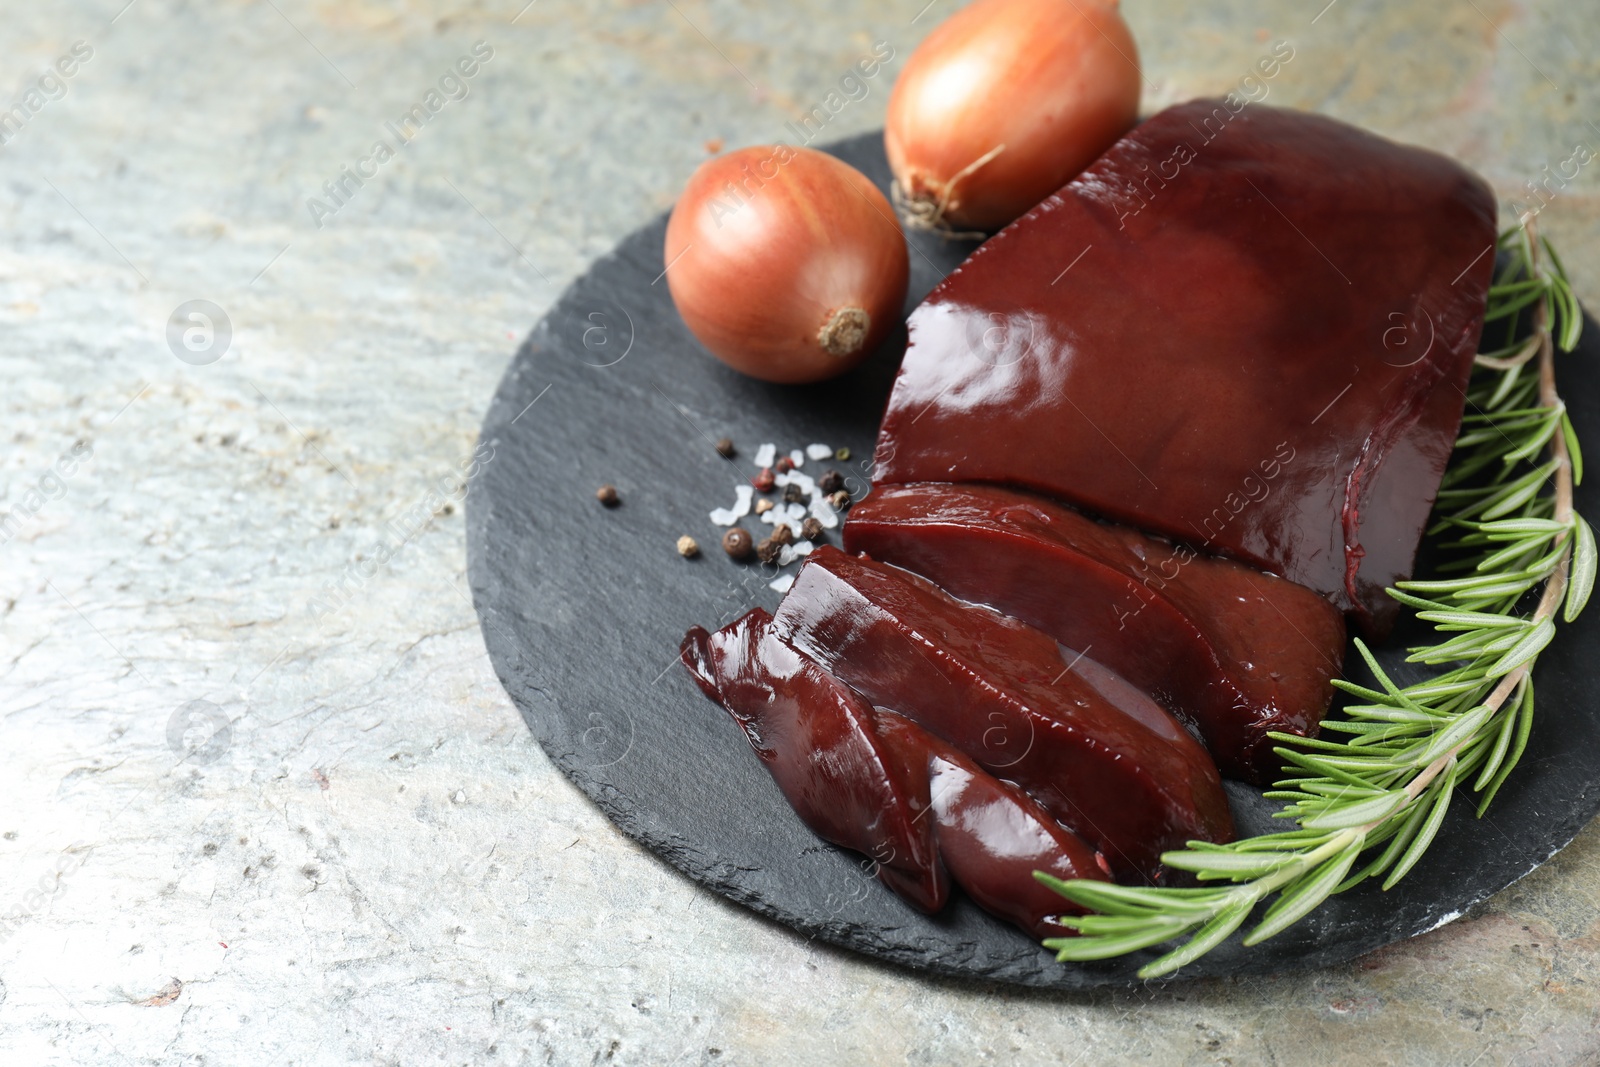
(993, 836)
(1246, 331)
(1232, 651)
(874, 782)
(817, 740)
(1101, 757)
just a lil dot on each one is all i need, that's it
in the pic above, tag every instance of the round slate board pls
(583, 608)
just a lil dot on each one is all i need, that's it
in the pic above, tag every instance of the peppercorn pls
(737, 543)
(841, 454)
(725, 448)
(607, 495)
(767, 551)
(782, 535)
(793, 494)
(811, 529)
(784, 465)
(688, 548)
(830, 482)
(766, 481)
(840, 500)
(763, 505)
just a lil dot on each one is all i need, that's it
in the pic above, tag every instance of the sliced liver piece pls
(993, 836)
(874, 782)
(1231, 650)
(817, 740)
(1104, 759)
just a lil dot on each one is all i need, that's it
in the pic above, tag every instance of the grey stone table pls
(372, 862)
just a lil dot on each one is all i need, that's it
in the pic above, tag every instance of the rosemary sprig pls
(1370, 794)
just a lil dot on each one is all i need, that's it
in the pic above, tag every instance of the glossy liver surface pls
(1103, 758)
(993, 836)
(1231, 650)
(874, 782)
(1248, 331)
(817, 740)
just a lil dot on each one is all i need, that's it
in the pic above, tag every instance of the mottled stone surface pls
(378, 865)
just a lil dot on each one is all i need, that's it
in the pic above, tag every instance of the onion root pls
(845, 332)
(922, 210)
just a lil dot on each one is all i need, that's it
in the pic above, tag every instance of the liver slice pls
(1101, 757)
(1246, 331)
(817, 740)
(993, 836)
(1230, 650)
(876, 783)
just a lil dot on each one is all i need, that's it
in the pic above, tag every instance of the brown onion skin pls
(1055, 81)
(757, 278)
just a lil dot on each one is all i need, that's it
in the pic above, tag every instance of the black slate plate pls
(583, 608)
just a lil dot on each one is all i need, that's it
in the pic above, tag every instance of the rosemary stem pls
(1330, 848)
(1542, 344)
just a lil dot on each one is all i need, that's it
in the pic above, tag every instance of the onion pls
(786, 263)
(1005, 103)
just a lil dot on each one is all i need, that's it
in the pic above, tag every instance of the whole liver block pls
(1247, 331)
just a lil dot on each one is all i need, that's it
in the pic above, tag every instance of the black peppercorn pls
(607, 495)
(725, 448)
(831, 482)
(840, 500)
(737, 543)
(811, 529)
(793, 494)
(767, 551)
(782, 535)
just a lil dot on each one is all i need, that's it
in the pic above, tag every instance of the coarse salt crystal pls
(779, 516)
(824, 512)
(798, 458)
(819, 451)
(789, 553)
(781, 583)
(765, 455)
(795, 512)
(726, 516)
